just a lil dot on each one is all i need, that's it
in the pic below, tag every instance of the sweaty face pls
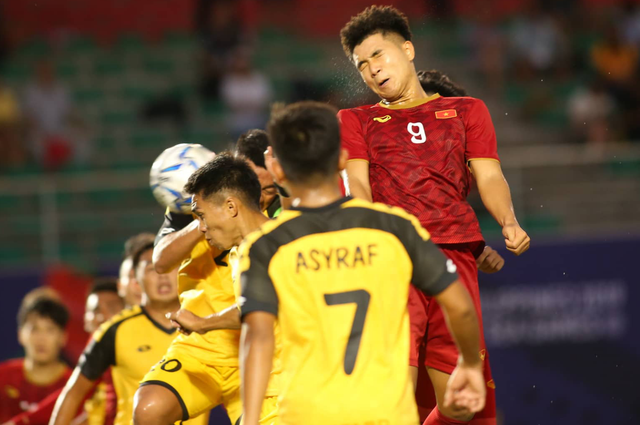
(385, 64)
(158, 287)
(217, 222)
(269, 191)
(101, 306)
(42, 339)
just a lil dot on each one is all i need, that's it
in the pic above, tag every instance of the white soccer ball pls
(170, 172)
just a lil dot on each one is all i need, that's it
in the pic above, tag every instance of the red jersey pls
(17, 394)
(418, 155)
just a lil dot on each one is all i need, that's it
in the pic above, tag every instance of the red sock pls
(437, 418)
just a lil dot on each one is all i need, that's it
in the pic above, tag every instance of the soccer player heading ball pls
(419, 152)
(336, 272)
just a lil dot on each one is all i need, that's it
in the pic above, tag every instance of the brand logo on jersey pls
(144, 348)
(451, 267)
(444, 115)
(11, 391)
(383, 119)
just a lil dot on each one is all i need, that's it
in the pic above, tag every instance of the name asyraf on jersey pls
(347, 256)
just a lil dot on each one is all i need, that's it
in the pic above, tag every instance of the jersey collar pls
(323, 208)
(411, 104)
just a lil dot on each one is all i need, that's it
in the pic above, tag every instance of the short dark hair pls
(436, 82)
(44, 306)
(137, 254)
(306, 140)
(252, 145)
(131, 245)
(226, 172)
(373, 20)
(104, 284)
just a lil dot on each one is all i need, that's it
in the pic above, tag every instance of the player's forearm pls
(257, 358)
(358, 176)
(70, 399)
(228, 318)
(496, 197)
(462, 321)
(172, 249)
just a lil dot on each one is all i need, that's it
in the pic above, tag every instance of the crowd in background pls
(559, 56)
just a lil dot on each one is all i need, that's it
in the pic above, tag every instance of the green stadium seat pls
(109, 67)
(88, 95)
(110, 249)
(66, 70)
(149, 137)
(118, 117)
(80, 45)
(179, 40)
(158, 66)
(130, 42)
(13, 255)
(542, 224)
(24, 225)
(35, 49)
(624, 168)
(16, 73)
(136, 92)
(106, 197)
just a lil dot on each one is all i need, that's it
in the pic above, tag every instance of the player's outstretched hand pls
(516, 238)
(490, 261)
(185, 321)
(466, 388)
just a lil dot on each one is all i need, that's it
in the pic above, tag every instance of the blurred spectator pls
(55, 134)
(11, 146)
(631, 23)
(615, 60)
(487, 44)
(591, 110)
(538, 43)
(247, 94)
(220, 32)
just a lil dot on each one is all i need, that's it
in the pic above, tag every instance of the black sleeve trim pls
(172, 223)
(185, 412)
(442, 283)
(99, 355)
(251, 306)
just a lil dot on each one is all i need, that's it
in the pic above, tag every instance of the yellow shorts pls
(198, 387)
(269, 412)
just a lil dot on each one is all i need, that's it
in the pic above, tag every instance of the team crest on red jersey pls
(449, 113)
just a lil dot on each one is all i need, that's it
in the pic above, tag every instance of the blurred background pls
(92, 91)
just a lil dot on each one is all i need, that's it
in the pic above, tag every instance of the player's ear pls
(231, 206)
(409, 50)
(277, 172)
(342, 159)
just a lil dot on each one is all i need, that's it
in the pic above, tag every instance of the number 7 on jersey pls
(361, 299)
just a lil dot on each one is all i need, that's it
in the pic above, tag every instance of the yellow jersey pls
(273, 388)
(130, 343)
(205, 287)
(337, 278)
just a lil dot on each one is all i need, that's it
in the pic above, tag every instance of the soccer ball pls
(170, 172)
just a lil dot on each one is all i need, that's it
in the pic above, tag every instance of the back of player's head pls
(252, 145)
(131, 245)
(374, 20)
(104, 284)
(139, 252)
(46, 307)
(436, 82)
(305, 137)
(226, 174)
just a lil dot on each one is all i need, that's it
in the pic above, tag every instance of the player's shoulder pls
(359, 112)
(459, 103)
(11, 365)
(386, 217)
(267, 233)
(112, 325)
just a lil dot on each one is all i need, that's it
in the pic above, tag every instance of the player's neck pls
(253, 221)
(413, 92)
(42, 373)
(158, 311)
(318, 196)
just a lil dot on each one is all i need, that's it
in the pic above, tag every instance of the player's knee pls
(150, 408)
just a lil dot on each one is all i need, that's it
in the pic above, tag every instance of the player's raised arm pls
(72, 396)
(176, 239)
(257, 345)
(187, 322)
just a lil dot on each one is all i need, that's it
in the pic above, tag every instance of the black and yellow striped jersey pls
(337, 277)
(130, 343)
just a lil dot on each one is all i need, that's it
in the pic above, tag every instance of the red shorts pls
(431, 342)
